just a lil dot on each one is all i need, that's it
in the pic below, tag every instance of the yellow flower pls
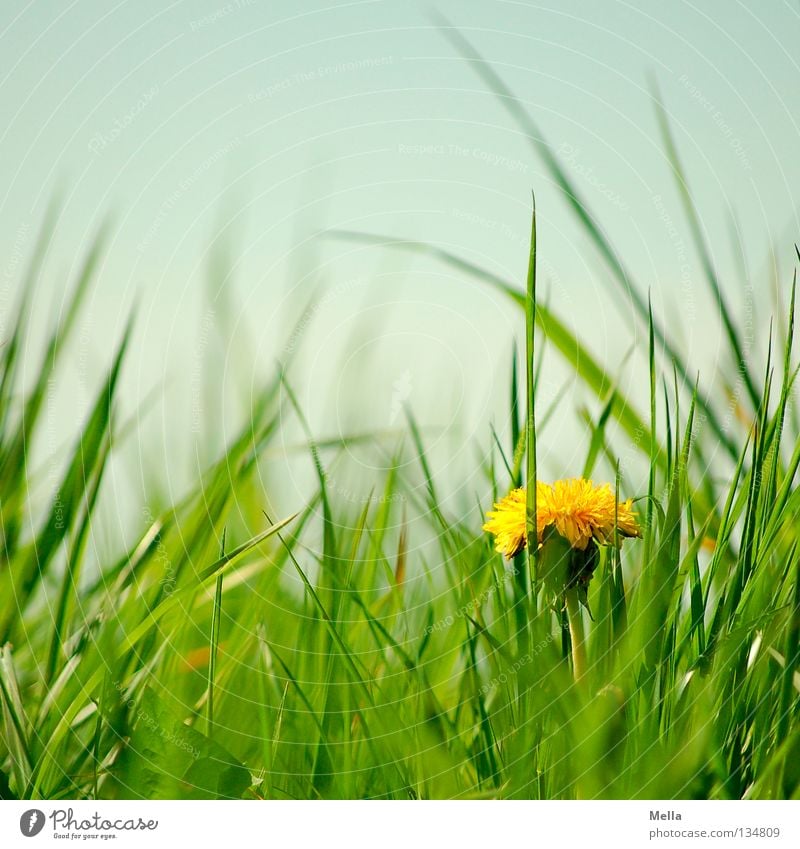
(577, 509)
(582, 511)
(507, 521)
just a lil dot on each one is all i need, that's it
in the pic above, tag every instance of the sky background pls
(245, 129)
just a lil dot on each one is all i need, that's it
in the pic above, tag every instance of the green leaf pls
(6, 792)
(167, 759)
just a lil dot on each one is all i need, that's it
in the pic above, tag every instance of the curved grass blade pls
(611, 257)
(553, 329)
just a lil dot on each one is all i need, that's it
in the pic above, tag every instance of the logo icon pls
(401, 391)
(31, 822)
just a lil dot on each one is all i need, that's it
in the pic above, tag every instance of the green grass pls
(228, 652)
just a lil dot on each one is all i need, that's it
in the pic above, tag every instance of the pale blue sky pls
(270, 120)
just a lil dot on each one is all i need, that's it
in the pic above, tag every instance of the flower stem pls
(576, 634)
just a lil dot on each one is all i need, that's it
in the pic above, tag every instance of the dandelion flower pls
(569, 515)
(507, 521)
(577, 509)
(581, 511)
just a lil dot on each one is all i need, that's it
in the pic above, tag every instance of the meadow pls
(232, 652)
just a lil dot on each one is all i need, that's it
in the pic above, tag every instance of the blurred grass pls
(286, 668)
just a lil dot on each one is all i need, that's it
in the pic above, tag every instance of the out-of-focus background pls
(219, 140)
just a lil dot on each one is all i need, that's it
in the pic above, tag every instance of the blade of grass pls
(74, 563)
(216, 614)
(66, 503)
(530, 424)
(710, 274)
(619, 273)
(553, 329)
